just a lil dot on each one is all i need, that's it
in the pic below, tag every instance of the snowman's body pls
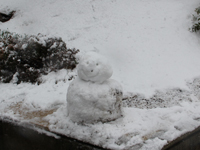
(92, 96)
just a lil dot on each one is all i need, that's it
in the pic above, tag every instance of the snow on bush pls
(196, 20)
(25, 58)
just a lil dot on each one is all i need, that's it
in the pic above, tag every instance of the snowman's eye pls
(87, 62)
(97, 64)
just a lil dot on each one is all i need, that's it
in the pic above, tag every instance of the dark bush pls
(196, 20)
(6, 17)
(28, 57)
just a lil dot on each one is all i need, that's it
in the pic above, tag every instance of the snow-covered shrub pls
(196, 20)
(27, 57)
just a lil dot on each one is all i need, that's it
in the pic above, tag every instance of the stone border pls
(22, 135)
(188, 141)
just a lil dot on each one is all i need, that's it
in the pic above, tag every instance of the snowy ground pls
(153, 55)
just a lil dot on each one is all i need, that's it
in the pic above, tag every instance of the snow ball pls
(94, 67)
(90, 102)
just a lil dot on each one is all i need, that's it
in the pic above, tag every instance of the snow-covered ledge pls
(93, 96)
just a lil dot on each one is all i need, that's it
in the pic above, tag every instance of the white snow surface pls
(153, 56)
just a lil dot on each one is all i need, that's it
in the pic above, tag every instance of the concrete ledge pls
(17, 136)
(25, 136)
(188, 141)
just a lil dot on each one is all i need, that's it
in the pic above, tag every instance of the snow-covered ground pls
(154, 57)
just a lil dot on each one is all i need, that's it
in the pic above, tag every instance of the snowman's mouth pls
(90, 73)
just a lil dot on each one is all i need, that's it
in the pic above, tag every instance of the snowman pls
(94, 97)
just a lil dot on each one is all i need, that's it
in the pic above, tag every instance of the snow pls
(94, 97)
(90, 102)
(142, 33)
(94, 67)
(153, 55)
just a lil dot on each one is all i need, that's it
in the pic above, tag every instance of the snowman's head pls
(94, 67)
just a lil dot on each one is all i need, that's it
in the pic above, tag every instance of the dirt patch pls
(35, 117)
(161, 99)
